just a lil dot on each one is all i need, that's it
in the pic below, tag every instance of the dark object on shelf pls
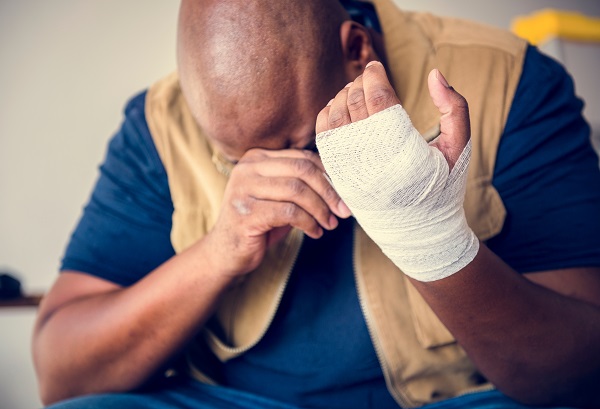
(10, 287)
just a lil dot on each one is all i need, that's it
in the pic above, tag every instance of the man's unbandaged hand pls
(268, 193)
(408, 195)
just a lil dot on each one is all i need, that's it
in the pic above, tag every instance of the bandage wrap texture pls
(400, 190)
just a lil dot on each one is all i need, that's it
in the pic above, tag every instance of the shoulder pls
(547, 174)
(124, 231)
(545, 120)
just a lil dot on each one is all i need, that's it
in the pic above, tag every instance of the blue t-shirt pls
(318, 352)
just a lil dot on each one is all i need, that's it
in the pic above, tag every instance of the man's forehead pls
(271, 119)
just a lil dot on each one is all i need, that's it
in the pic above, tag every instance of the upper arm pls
(579, 283)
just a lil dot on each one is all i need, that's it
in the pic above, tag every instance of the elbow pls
(47, 390)
(51, 392)
(49, 395)
(52, 387)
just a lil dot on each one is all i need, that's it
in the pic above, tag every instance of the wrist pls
(209, 258)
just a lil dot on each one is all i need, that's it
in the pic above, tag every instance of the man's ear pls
(357, 46)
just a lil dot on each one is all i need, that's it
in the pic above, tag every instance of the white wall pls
(67, 68)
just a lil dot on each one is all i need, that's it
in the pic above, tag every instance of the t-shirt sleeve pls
(547, 175)
(124, 231)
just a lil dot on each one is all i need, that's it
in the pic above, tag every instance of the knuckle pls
(253, 154)
(337, 118)
(289, 211)
(321, 213)
(297, 187)
(461, 108)
(308, 155)
(356, 100)
(303, 167)
(242, 206)
(241, 171)
(250, 153)
(249, 156)
(461, 102)
(330, 195)
(380, 97)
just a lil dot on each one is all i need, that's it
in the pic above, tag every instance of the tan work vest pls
(420, 360)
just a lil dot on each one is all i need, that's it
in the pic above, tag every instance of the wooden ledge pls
(31, 300)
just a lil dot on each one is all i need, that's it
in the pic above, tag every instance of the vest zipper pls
(477, 389)
(295, 241)
(397, 395)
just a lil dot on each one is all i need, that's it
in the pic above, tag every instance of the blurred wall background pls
(67, 69)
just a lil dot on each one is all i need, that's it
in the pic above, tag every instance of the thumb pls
(455, 128)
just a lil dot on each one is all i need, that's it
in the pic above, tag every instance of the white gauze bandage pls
(400, 190)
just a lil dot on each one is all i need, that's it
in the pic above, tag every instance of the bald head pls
(247, 67)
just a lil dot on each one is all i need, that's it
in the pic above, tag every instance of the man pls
(218, 162)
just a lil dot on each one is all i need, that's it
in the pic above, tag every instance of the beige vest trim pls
(195, 182)
(420, 359)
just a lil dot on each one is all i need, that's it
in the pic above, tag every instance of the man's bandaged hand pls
(406, 194)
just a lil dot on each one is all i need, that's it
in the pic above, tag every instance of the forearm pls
(534, 344)
(116, 340)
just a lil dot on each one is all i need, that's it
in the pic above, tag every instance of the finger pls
(259, 155)
(379, 93)
(338, 111)
(454, 121)
(280, 214)
(309, 173)
(357, 105)
(322, 123)
(294, 190)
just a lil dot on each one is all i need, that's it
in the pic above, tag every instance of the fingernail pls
(333, 222)
(372, 63)
(330, 102)
(348, 85)
(344, 210)
(441, 78)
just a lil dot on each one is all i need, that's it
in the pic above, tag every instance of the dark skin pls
(94, 336)
(536, 336)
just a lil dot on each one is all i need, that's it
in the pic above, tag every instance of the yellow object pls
(543, 25)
